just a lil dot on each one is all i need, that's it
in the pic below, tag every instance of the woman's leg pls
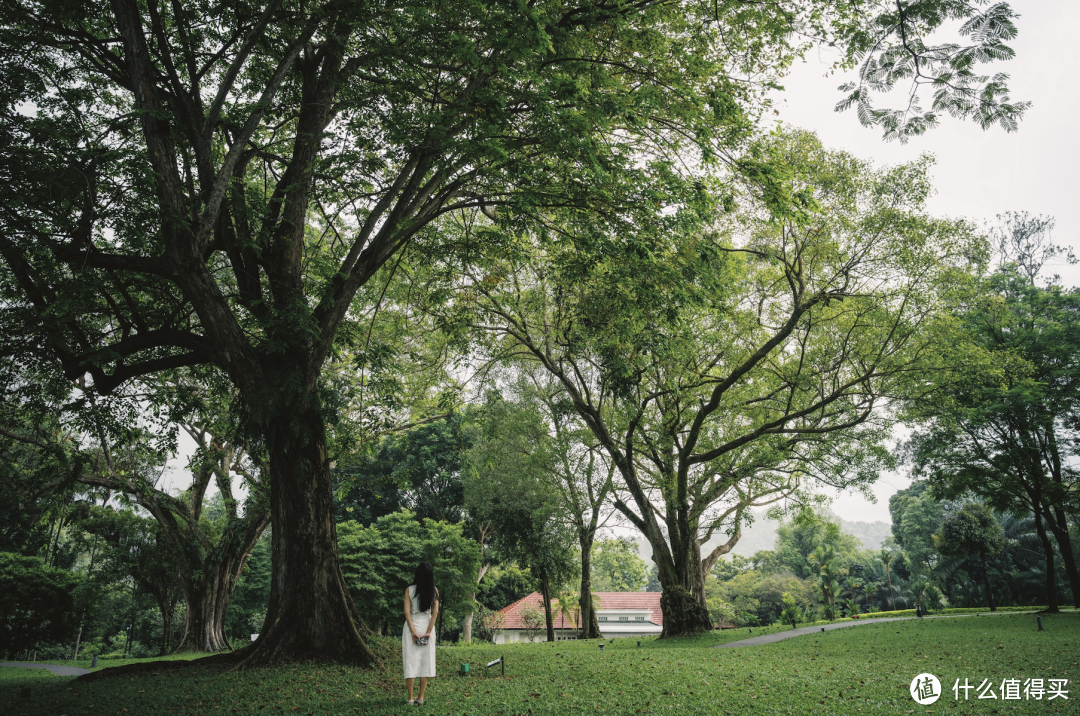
(423, 687)
(408, 685)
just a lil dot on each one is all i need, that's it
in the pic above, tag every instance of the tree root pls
(153, 668)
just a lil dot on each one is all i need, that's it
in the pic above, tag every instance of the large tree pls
(725, 359)
(512, 490)
(999, 419)
(215, 183)
(972, 531)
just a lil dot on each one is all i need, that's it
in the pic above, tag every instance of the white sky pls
(978, 174)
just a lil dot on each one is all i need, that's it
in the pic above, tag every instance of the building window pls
(603, 619)
(639, 619)
(624, 619)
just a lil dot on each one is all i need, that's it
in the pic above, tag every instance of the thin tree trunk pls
(986, 583)
(1060, 527)
(590, 627)
(1051, 573)
(310, 615)
(78, 638)
(134, 611)
(545, 591)
(166, 625)
(466, 630)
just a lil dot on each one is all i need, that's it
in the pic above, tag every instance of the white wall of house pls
(614, 624)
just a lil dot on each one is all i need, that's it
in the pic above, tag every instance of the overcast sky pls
(978, 174)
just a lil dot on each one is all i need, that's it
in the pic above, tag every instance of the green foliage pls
(36, 603)
(759, 599)
(729, 566)
(916, 516)
(532, 620)
(616, 566)
(486, 624)
(721, 613)
(418, 470)
(503, 585)
(797, 540)
(791, 613)
(999, 419)
(509, 487)
(379, 561)
(970, 531)
(250, 598)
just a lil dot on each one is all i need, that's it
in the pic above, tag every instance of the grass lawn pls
(860, 670)
(20, 675)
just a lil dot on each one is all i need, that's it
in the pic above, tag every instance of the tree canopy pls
(217, 183)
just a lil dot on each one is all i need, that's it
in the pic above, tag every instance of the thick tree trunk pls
(1060, 527)
(310, 615)
(590, 626)
(207, 602)
(545, 591)
(986, 584)
(1051, 574)
(208, 583)
(675, 564)
(466, 630)
(466, 626)
(683, 614)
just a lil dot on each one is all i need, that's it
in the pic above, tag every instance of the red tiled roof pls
(608, 600)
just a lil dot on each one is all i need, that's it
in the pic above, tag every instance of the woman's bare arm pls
(408, 613)
(434, 613)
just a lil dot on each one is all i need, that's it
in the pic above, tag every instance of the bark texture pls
(683, 615)
(590, 626)
(311, 615)
(549, 619)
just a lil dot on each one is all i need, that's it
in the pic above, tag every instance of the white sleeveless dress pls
(419, 661)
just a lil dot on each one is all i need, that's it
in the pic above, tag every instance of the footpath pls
(780, 636)
(55, 668)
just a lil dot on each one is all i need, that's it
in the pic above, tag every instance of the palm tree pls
(823, 558)
(886, 557)
(568, 604)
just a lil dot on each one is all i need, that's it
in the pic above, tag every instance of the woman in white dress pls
(417, 643)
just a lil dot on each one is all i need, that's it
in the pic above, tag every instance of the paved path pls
(58, 670)
(780, 636)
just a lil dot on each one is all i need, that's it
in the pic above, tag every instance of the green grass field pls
(864, 669)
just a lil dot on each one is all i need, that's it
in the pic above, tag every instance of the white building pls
(619, 614)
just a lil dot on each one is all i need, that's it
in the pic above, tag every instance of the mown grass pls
(861, 670)
(9, 674)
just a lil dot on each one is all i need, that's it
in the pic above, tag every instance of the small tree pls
(487, 624)
(721, 613)
(791, 613)
(532, 620)
(969, 532)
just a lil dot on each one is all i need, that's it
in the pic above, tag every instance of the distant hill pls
(872, 534)
(762, 535)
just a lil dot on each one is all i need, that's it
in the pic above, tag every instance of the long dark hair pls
(425, 585)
